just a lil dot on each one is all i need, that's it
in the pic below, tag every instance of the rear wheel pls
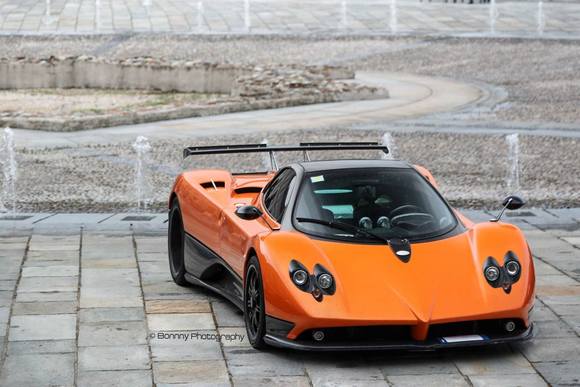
(254, 311)
(176, 242)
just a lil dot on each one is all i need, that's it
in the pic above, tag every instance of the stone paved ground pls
(84, 306)
(526, 18)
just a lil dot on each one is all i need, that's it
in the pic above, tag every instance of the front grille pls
(402, 333)
(362, 334)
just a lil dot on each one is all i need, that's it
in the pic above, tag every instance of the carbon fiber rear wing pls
(303, 147)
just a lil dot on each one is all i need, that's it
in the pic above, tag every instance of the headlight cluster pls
(503, 276)
(319, 283)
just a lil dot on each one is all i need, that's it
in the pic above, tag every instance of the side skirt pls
(205, 268)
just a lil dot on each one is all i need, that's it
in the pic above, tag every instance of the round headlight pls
(513, 268)
(492, 273)
(300, 277)
(324, 281)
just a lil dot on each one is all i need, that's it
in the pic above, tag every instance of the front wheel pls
(176, 242)
(254, 310)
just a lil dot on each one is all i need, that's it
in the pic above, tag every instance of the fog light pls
(318, 335)
(492, 273)
(324, 281)
(510, 326)
(300, 277)
(513, 268)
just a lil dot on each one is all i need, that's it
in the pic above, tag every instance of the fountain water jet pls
(393, 25)
(343, 15)
(541, 18)
(142, 184)
(9, 169)
(513, 173)
(48, 18)
(247, 22)
(199, 16)
(98, 14)
(389, 142)
(493, 15)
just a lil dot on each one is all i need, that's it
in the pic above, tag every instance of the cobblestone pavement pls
(528, 18)
(86, 306)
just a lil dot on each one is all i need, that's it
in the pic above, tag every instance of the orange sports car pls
(349, 254)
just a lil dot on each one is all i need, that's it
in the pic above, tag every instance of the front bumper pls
(428, 345)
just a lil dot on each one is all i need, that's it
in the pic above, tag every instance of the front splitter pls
(431, 345)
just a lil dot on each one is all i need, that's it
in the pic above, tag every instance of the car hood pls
(443, 280)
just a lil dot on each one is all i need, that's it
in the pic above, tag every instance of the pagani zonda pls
(349, 254)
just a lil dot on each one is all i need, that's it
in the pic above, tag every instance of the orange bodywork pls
(443, 282)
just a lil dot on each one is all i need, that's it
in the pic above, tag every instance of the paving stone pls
(227, 315)
(353, 372)
(50, 271)
(128, 357)
(176, 322)
(57, 307)
(6, 297)
(111, 314)
(48, 284)
(43, 327)
(119, 263)
(112, 333)
(234, 337)
(4, 314)
(249, 362)
(197, 373)
(530, 380)
(551, 329)
(447, 380)
(104, 278)
(41, 346)
(185, 346)
(493, 361)
(278, 381)
(115, 378)
(552, 349)
(413, 365)
(7, 285)
(46, 297)
(111, 297)
(561, 373)
(177, 306)
(38, 370)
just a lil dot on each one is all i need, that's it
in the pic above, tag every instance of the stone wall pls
(131, 74)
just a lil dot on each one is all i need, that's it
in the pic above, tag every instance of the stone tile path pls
(290, 17)
(96, 306)
(527, 18)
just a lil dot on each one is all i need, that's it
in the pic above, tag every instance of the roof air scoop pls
(401, 248)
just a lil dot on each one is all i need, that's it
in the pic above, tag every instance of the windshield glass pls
(387, 202)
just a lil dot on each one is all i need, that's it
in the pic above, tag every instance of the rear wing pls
(303, 147)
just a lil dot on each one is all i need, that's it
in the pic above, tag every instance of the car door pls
(235, 233)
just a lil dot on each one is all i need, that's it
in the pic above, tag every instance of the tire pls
(176, 244)
(254, 310)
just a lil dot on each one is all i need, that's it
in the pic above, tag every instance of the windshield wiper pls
(344, 227)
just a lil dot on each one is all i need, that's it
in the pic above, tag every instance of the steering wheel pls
(411, 220)
(405, 209)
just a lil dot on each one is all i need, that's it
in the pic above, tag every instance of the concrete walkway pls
(410, 96)
(96, 306)
(350, 17)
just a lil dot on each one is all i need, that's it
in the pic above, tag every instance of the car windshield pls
(371, 204)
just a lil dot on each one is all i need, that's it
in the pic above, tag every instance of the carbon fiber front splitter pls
(430, 345)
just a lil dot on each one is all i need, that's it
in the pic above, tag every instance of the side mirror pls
(512, 202)
(248, 212)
